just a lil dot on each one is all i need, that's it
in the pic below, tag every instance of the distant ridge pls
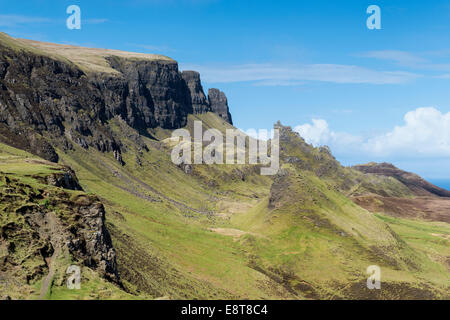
(415, 183)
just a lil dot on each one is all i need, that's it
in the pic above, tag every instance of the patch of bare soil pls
(235, 233)
(427, 208)
(39, 161)
(53, 231)
(226, 209)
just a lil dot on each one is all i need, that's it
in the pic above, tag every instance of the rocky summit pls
(87, 183)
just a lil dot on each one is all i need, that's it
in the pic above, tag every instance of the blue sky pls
(373, 94)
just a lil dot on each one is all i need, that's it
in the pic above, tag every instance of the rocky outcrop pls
(414, 182)
(216, 102)
(65, 179)
(92, 243)
(278, 189)
(199, 101)
(219, 104)
(40, 225)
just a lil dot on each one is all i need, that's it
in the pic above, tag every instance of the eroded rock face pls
(92, 244)
(279, 188)
(51, 223)
(46, 103)
(147, 94)
(200, 103)
(219, 104)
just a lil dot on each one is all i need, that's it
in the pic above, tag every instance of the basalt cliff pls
(47, 100)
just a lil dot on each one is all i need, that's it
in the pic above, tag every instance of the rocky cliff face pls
(47, 102)
(216, 102)
(42, 99)
(200, 103)
(219, 104)
(147, 94)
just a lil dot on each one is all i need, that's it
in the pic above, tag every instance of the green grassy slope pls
(90, 60)
(162, 217)
(224, 231)
(318, 241)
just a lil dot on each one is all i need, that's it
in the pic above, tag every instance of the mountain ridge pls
(418, 185)
(189, 231)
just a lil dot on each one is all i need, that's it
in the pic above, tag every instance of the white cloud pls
(318, 134)
(293, 74)
(425, 133)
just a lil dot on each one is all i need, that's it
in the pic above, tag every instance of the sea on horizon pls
(442, 183)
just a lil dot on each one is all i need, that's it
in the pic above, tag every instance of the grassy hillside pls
(226, 232)
(87, 59)
(318, 241)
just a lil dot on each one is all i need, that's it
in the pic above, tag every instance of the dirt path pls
(51, 273)
(51, 228)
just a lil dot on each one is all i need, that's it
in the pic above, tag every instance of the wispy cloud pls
(400, 57)
(171, 2)
(438, 53)
(409, 60)
(272, 74)
(11, 20)
(279, 83)
(94, 21)
(153, 48)
(443, 76)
